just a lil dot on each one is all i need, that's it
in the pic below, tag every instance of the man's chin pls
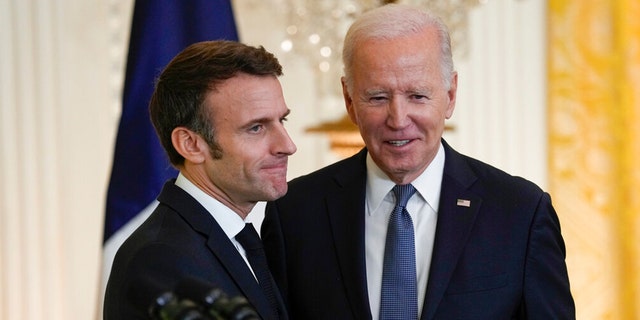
(277, 192)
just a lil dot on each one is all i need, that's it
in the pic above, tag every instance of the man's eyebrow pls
(420, 90)
(262, 120)
(373, 92)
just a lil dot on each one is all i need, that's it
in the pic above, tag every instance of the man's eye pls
(284, 119)
(256, 128)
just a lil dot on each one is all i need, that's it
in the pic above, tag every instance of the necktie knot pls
(249, 238)
(403, 193)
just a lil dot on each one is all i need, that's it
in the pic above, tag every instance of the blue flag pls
(160, 30)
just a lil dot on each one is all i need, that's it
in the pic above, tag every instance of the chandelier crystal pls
(315, 29)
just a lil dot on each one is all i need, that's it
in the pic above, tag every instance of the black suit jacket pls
(180, 240)
(502, 257)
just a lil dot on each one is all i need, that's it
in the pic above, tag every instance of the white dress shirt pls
(230, 222)
(422, 207)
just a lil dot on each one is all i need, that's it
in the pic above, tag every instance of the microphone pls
(215, 302)
(167, 306)
(163, 304)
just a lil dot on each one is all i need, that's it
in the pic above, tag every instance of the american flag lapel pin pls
(463, 203)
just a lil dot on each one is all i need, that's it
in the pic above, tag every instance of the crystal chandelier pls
(316, 28)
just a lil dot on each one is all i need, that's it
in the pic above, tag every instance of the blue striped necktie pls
(399, 298)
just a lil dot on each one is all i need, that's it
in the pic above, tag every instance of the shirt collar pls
(230, 222)
(427, 184)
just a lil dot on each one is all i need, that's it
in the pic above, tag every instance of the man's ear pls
(348, 102)
(189, 144)
(452, 93)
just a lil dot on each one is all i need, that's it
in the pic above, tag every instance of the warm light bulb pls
(314, 38)
(325, 52)
(286, 45)
(292, 29)
(324, 66)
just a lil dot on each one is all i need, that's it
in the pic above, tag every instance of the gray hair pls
(392, 21)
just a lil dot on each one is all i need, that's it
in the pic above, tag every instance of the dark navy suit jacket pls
(502, 257)
(180, 240)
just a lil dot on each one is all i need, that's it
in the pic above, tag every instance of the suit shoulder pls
(496, 178)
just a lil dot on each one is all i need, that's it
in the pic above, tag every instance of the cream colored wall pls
(57, 124)
(61, 65)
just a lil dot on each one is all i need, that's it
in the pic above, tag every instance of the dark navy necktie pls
(252, 245)
(399, 298)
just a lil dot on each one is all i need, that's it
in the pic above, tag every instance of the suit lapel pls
(238, 270)
(202, 222)
(456, 216)
(345, 208)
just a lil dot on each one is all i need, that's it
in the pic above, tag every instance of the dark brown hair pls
(180, 90)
